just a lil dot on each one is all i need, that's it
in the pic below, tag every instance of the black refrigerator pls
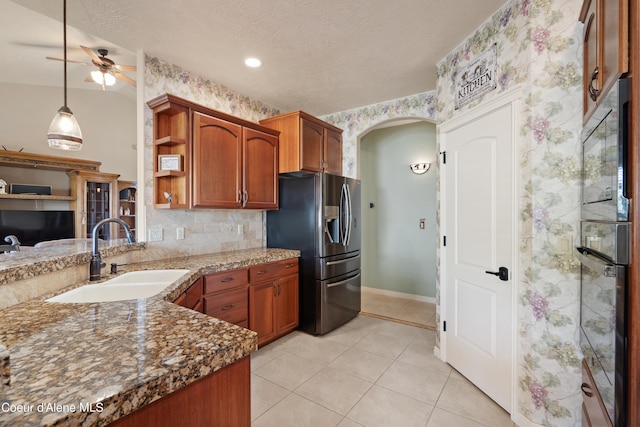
(320, 216)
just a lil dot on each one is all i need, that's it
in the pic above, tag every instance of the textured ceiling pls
(318, 56)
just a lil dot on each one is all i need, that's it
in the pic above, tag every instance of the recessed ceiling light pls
(252, 62)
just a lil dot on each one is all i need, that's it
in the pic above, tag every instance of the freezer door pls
(337, 265)
(339, 300)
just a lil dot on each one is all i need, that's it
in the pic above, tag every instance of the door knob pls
(502, 273)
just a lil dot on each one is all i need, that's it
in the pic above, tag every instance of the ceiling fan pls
(107, 71)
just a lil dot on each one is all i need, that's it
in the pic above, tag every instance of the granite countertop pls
(91, 364)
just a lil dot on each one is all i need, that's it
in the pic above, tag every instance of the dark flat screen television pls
(31, 227)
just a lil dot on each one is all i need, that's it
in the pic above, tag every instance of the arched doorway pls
(399, 228)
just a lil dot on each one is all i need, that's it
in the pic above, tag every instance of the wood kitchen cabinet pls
(273, 299)
(226, 298)
(606, 48)
(220, 161)
(233, 166)
(222, 398)
(307, 143)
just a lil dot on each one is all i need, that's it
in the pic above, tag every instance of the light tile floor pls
(409, 311)
(369, 372)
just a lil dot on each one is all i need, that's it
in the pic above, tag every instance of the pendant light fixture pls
(64, 131)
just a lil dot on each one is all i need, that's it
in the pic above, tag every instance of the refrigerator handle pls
(341, 214)
(349, 216)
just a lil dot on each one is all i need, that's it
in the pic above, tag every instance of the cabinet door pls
(261, 311)
(286, 304)
(615, 41)
(260, 170)
(312, 146)
(332, 152)
(217, 162)
(591, 73)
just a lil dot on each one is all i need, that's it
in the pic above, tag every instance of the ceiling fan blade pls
(124, 78)
(68, 60)
(126, 67)
(92, 54)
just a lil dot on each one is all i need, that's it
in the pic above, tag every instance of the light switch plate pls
(155, 233)
(180, 233)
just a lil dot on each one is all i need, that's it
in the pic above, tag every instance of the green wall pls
(396, 254)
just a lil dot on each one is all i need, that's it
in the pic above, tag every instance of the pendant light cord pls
(64, 32)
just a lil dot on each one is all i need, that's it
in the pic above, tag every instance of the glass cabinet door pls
(98, 207)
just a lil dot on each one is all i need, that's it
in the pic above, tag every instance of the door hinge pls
(444, 326)
(444, 157)
(444, 240)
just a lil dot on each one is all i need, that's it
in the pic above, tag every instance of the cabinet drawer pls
(231, 306)
(273, 269)
(225, 280)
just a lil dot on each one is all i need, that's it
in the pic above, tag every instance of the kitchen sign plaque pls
(477, 78)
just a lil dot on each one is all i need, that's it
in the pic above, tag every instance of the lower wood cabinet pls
(263, 298)
(220, 399)
(225, 296)
(273, 299)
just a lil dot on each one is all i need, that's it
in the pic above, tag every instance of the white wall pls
(107, 120)
(396, 254)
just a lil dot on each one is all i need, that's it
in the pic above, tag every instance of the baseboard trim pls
(398, 294)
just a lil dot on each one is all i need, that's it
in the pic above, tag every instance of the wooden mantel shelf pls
(42, 161)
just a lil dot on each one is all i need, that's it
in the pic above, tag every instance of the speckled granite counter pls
(114, 358)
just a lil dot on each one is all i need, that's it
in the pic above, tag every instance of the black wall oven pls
(604, 250)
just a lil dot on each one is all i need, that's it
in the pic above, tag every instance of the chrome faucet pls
(13, 246)
(96, 264)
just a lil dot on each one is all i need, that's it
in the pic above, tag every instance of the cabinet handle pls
(227, 279)
(586, 389)
(239, 199)
(593, 92)
(261, 272)
(245, 198)
(228, 307)
(289, 265)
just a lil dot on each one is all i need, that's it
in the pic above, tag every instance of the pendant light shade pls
(64, 131)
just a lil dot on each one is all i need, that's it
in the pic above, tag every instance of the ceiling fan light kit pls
(64, 130)
(103, 78)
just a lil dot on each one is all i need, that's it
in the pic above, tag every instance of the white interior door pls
(479, 228)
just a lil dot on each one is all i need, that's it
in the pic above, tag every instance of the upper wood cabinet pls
(606, 48)
(223, 161)
(307, 143)
(217, 162)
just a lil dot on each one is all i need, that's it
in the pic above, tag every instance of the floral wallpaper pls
(206, 230)
(358, 121)
(539, 50)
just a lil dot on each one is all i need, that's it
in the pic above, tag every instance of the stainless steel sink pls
(133, 285)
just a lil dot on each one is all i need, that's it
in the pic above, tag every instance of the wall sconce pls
(419, 168)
